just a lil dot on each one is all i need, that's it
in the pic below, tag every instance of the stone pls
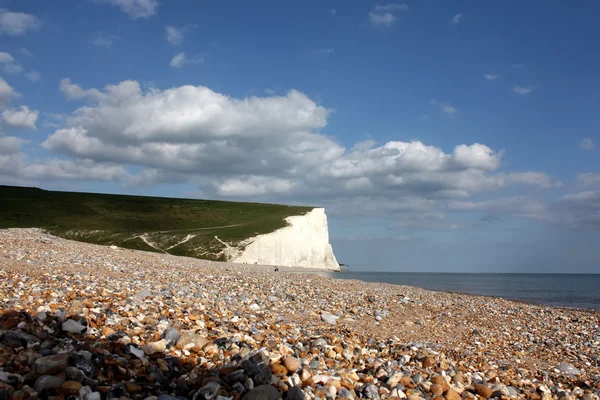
(437, 379)
(291, 363)
(171, 335)
(155, 347)
(483, 390)
(295, 393)
(429, 361)
(48, 382)
(71, 388)
(436, 389)
(51, 364)
(73, 327)
(262, 392)
(208, 391)
(567, 369)
(144, 294)
(76, 308)
(458, 378)
(371, 392)
(330, 319)
(191, 338)
(452, 395)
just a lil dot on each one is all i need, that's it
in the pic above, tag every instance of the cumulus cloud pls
(457, 19)
(8, 63)
(522, 90)
(587, 144)
(491, 77)
(180, 59)
(21, 118)
(7, 93)
(174, 35)
(386, 15)
(264, 148)
(135, 8)
(17, 23)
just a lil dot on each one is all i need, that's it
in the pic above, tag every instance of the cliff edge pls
(303, 243)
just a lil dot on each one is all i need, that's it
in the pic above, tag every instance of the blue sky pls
(440, 136)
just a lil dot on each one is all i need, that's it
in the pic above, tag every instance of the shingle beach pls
(93, 322)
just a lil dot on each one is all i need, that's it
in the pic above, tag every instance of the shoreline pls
(331, 338)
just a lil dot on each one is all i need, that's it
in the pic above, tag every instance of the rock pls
(437, 379)
(371, 392)
(483, 390)
(429, 361)
(48, 382)
(345, 393)
(70, 388)
(76, 308)
(436, 389)
(208, 391)
(458, 378)
(452, 395)
(51, 364)
(262, 392)
(567, 369)
(73, 327)
(143, 295)
(191, 338)
(291, 363)
(295, 393)
(171, 336)
(155, 347)
(330, 319)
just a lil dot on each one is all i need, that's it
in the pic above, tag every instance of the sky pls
(453, 136)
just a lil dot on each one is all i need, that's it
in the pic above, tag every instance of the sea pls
(559, 290)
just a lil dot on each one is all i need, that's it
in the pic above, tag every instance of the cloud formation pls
(272, 147)
(457, 19)
(180, 59)
(491, 77)
(8, 63)
(587, 144)
(174, 35)
(21, 118)
(17, 23)
(386, 15)
(7, 93)
(522, 90)
(135, 8)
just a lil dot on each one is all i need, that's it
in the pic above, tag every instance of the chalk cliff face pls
(303, 243)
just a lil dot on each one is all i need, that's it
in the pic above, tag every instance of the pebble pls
(154, 326)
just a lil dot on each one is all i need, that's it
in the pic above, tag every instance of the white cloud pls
(7, 93)
(522, 90)
(17, 23)
(33, 75)
(26, 52)
(333, 12)
(448, 109)
(272, 147)
(491, 77)
(587, 144)
(457, 18)
(180, 59)
(21, 118)
(174, 35)
(589, 179)
(326, 51)
(8, 63)
(386, 15)
(104, 41)
(135, 8)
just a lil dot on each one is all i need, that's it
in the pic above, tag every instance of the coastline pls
(360, 336)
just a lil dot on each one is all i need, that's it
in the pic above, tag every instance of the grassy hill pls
(194, 228)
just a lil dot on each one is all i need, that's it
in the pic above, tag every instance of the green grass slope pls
(175, 226)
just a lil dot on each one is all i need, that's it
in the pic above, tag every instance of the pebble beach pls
(83, 321)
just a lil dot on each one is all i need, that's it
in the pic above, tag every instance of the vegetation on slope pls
(194, 228)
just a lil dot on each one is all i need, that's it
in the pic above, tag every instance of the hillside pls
(195, 228)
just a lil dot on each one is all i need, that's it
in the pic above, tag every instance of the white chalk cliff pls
(303, 243)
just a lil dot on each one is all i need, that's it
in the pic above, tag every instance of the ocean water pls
(561, 290)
